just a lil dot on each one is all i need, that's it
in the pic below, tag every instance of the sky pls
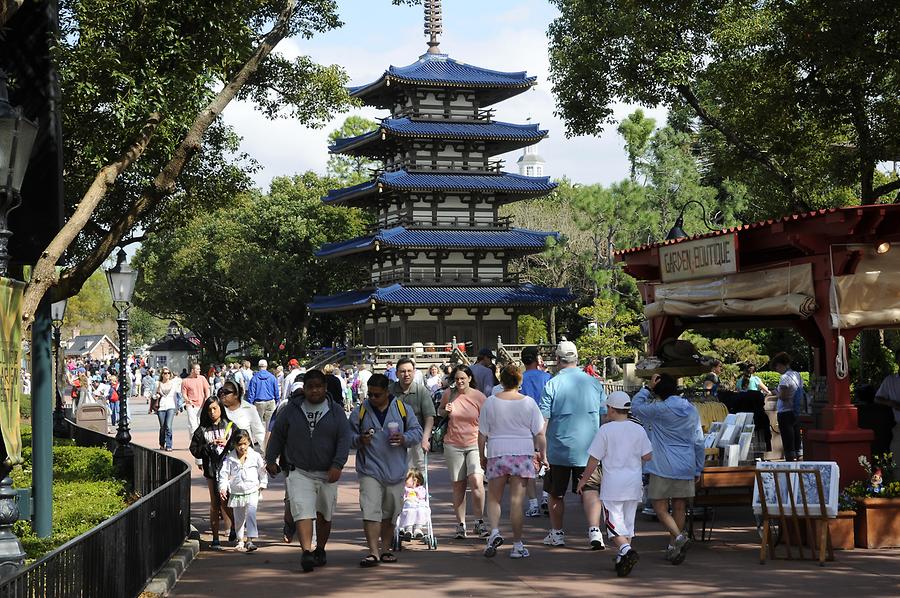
(506, 35)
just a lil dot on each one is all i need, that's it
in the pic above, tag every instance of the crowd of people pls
(512, 427)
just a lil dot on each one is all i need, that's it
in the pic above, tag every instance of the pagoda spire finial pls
(434, 25)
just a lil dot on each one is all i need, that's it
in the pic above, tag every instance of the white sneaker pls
(533, 511)
(460, 531)
(494, 540)
(239, 547)
(556, 537)
(595, 537)
(481, 529)
(518, 551)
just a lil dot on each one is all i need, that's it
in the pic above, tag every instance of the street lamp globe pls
(17, 135)
(122, 279)
(58, 313)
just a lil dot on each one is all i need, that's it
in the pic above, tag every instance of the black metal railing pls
(118, 557)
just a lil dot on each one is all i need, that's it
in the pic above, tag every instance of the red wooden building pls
(829, 274)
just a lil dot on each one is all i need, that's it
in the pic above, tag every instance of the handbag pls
(179, 401)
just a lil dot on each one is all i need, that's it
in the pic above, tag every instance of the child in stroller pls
(416, 513)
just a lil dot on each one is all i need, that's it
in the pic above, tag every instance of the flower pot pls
(878, 522)
(840, 529)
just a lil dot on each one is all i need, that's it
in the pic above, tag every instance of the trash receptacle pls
(93, 417)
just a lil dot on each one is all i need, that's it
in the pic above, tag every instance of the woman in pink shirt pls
(462, 407)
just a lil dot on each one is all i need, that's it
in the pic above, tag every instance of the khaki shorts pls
(661, 488)
(308, 496)
(462, 462)
(593, 482)
(380, 502)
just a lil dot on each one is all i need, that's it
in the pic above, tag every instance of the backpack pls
(401, 407)
(113, 395)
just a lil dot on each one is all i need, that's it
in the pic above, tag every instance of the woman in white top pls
(165, 407)
(243, 414)
(512, 446)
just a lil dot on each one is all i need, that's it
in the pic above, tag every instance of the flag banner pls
(11, 295)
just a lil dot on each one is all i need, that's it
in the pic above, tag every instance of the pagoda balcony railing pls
(444, 222)
(448, 166)
(447, 277)
(480, 116)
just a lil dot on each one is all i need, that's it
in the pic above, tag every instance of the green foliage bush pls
(25, 406)
(770, 379)
(85, 493)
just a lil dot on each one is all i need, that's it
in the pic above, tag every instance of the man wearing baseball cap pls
(572, 404)
(291, 377)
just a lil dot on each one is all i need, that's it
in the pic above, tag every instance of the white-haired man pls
(572, 404)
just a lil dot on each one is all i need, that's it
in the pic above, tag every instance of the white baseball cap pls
(619, 399)
(567, 350)
(263, 363)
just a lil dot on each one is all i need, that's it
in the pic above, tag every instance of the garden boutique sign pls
(702, 258)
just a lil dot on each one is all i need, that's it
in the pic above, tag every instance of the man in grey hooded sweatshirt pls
(382, 429)
(311, 438)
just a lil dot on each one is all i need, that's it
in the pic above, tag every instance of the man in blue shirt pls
(533, 381)
(572, 404)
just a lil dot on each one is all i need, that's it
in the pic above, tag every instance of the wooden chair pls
(792, 514)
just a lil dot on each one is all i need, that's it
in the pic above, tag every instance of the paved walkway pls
(726, 566)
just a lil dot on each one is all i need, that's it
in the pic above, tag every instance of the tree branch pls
(165, 182)
(882, 190)
(748, 150)
(8, 8)
(44, 274)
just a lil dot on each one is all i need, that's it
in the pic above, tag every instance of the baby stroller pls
(429, 539)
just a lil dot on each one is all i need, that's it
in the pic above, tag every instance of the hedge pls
(771, 379)
(85, 493)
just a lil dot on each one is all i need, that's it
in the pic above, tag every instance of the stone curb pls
(165, 579)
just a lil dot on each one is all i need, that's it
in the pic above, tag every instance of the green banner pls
(11, 293)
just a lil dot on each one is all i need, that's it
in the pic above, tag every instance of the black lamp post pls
(57, 314)
(17, 135)
(677, 231)
(121, 279)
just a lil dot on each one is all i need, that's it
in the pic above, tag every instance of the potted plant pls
(877, 523)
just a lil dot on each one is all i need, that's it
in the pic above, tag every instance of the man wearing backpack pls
(311, 437)
(382, 429)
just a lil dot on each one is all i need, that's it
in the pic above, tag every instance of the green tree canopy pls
(351, 170)
(797, 100)
(143, 84)
(247, 271)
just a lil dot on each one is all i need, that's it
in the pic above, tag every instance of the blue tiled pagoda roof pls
(510, 136)
(401, 180)
(439, 70)
(524, 295)
(515, 238)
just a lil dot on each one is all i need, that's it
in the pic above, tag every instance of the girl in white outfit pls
(241, 481)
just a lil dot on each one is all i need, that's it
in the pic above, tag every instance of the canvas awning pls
(771, 292)
(871, 296)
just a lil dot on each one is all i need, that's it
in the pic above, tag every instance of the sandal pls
(388, 557)
(370, 561)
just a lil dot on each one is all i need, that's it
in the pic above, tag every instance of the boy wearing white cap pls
(621, 446)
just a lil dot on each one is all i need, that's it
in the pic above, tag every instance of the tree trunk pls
(44, 274)
(553, 325)
(163, 185)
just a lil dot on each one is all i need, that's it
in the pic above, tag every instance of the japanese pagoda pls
(440, 254)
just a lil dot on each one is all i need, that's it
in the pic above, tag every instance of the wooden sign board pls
(702, 258)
